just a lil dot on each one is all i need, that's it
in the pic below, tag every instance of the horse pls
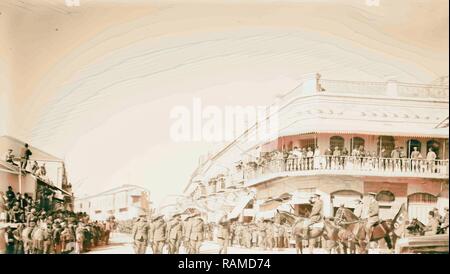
(301, 232)
(382, 230)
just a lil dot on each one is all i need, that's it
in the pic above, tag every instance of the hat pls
(195, 214)
(316, 195)
(176, 215)
(158, 217)
(372, 193)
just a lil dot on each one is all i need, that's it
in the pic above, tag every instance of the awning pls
(243, 202)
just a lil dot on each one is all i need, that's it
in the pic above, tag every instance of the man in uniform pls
(316, 214)
(372, 215)
(433, 224)
(140, 234)
(358, 208)
(157, 234)
(196, 234)
(269, 234)
(261, 235)
(224, 234)
(339, 217)
(444, 225)
(26, 238)
(174, 233)
(186, 230)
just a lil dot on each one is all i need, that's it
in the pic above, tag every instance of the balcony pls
(346, 165)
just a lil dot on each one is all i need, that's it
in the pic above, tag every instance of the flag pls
(400, 221)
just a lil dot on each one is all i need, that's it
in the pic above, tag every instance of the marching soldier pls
(224, 234)
(157, 234)
(26, 238)
(186, 230)
(196, 234)
(269, 234)
(174, 234)
(261, 235)
(372, 215)
(140, 234)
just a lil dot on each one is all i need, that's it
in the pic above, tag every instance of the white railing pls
(357, 87)
(374, 166)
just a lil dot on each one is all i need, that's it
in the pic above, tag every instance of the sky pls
(95, 84)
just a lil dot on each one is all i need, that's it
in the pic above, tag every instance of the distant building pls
(124, 203)
(53, 183)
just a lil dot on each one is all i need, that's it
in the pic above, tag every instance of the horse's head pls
(349, 216)
(290, 218)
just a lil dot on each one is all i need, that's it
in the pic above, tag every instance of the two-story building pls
(342, 139)
(124, 203)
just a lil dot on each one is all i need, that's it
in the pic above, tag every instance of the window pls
(412, 144)
(357, 142)
(385, 196)
(386, 142)
(337, 141)
(435, 146)
(422, 198)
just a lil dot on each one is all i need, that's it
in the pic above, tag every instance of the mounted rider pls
(316, 215)
(372, 215)
(339, 217)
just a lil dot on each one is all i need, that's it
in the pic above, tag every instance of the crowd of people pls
(27, 227)
(337, 158)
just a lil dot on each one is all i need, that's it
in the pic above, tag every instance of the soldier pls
(186, 230)
(261, 235)
(433, 224)
(174, 233)
(372, 215)
(48, 246)
(157, 234)
(269, 234)
(445, 220)
(358, 208)
(26, 238)
(140, 234)
(37, 236)
(196, 234)
(316, 214)
(224, 234)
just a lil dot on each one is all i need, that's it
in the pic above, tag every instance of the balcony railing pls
(352, 165)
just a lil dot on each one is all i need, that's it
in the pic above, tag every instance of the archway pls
(347, 197)
(419, 204)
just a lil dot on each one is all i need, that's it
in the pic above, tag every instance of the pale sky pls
(95, 84)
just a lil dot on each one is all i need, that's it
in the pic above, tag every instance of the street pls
(121, 243)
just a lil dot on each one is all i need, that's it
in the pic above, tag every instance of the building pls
(53, 183)
(366, 125)
(124, 203)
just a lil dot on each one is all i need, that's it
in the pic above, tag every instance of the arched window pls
(413, 143)
(385, 196)
(336, 141)
(356, 142)
(435, 146)
(422, 198)
(386, 142)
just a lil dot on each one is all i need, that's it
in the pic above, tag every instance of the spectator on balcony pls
(309, 157)
(431, 157)
(10, 196)
(317, 161)
(328, 153)
(10, 157)
(337, 157)
(415, 156)
(3, 204)
(34, 167)
(42, 171)
(25, 156)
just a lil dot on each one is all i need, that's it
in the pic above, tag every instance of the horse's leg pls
(387, 238)
(311, 244)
